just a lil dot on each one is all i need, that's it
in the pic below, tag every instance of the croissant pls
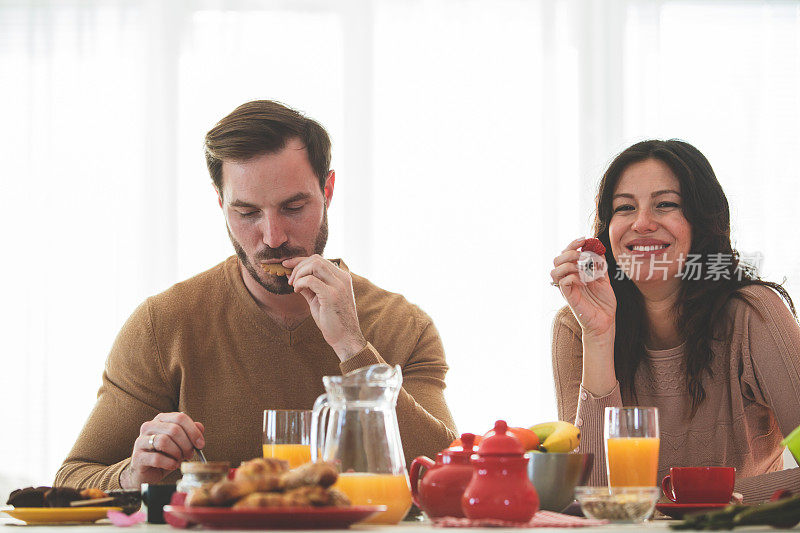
(261, 466)
(260, 499)
(309, 496)
(199, 497)
(264, 473)
(226, 492)
(322, 474)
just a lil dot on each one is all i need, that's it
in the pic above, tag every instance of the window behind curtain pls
(468, 140)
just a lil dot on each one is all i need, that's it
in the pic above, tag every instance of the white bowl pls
(618, 504)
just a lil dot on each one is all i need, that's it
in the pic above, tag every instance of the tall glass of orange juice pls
(632, 441)
(287, 435)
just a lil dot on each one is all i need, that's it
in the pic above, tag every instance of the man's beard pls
(270, 282)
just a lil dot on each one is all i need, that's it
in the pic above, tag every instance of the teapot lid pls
(466, 450)
(501, 442)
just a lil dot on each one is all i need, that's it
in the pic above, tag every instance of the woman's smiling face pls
(650, 238)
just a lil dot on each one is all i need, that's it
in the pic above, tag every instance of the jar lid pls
(212, 467)
(499, 442)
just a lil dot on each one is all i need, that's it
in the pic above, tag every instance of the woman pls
(678, 323)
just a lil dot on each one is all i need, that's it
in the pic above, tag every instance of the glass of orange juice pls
(287, 435)
(632, 439)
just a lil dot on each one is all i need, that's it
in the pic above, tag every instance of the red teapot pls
(500, 487)
(438, 492)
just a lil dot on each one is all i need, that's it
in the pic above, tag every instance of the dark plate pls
(679, 510)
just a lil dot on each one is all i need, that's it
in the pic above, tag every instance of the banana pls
(557, 436)
(544, 430)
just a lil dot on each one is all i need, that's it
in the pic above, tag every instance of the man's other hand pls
(329, 293)
(163, 443)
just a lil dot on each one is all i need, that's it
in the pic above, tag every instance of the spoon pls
(200, 454)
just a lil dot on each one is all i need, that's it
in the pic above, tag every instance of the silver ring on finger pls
(554, 283)
(152, 443)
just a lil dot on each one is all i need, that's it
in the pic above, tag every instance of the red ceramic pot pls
(500, 487)
(438, 492)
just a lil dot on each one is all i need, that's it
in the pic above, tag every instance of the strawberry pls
(594, 245)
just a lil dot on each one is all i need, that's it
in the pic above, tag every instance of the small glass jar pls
(197, 474)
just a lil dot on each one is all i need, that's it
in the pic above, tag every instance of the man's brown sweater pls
(205, 348)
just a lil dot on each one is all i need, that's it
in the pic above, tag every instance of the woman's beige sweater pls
(752, 400)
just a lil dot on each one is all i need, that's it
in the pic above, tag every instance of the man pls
(195, 365)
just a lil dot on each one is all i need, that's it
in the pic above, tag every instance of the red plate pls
(679, 510)
(271, 518)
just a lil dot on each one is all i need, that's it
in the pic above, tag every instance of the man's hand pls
(329, 293)
(163, 443)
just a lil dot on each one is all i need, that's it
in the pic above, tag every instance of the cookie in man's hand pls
(276, 269)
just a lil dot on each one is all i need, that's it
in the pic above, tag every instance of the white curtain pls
(469, 137)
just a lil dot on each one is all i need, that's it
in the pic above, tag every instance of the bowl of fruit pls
(554, 468)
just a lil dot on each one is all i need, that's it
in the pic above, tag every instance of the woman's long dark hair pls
(700, 303)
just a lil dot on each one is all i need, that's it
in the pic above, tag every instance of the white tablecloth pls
(12, 526)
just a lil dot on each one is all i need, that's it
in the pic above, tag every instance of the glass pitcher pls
(354, 426)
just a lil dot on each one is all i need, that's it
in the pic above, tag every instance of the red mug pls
(699, 484)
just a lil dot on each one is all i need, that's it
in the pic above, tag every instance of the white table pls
(9, 525)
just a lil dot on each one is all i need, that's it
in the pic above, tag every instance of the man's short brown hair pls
(263, 127)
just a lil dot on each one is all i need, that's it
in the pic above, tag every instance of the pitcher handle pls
(318, 418)
(414, 476)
